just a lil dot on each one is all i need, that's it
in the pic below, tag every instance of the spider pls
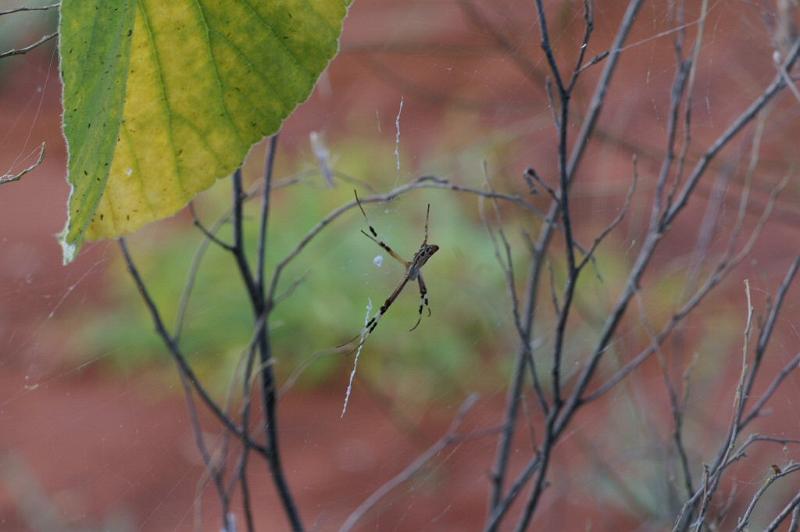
(413, 272)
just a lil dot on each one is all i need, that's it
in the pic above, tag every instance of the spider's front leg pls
(375, 238)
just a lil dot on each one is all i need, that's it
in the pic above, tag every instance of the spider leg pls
(427, 217)
(423, 301)
(385, 247)
(375, 238)
(373, 322)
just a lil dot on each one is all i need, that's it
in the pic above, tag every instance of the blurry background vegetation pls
(467, 343)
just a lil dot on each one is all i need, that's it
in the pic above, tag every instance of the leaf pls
(163, 98)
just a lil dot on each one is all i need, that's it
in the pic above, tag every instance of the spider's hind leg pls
(423, 301)
(427, 217)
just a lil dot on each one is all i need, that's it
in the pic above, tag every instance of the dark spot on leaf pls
(101, 217)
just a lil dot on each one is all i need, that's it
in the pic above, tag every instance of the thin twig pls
(788, 509)
(726, 455)
(792, 365)
(714, 475)
(422, 182)
(588, 25)
(616, 221)
(676, 406)
(212, 468)
(794, 525)
(269, 170)
(208, 233)
(26, 49)
(24, 9)
(261, 306)
(451, 436)
(504, 260)
(176, 353)
(736, 126)
(499, 504)
(8, 178)
(725, 265)
(766, 332)
(745, 518)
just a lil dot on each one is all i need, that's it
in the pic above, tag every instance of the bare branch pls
(598, 99)
(738, 124)
(714, 475)
(176, 353)
(725, 265)
(676, 405)
(795, 524)
(745, 518)
(547, 48)
(8, 178)
(24, 9)
(212, 467)
(788, 509)
(588, 21)
(451, 436)
(26, 49)
(521, 60)
(763, 341)
(210, 234)
(789, 82)
(261, 307)
(269, 169)
(422, 182)
(792, 365)
(615, 222)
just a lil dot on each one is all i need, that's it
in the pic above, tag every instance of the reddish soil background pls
(82, 447)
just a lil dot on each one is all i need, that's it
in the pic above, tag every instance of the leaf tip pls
(69, 249)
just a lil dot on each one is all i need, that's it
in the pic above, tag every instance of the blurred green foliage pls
(471, 321)
(467, 343)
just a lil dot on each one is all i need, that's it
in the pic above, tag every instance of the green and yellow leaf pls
(163, 98)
